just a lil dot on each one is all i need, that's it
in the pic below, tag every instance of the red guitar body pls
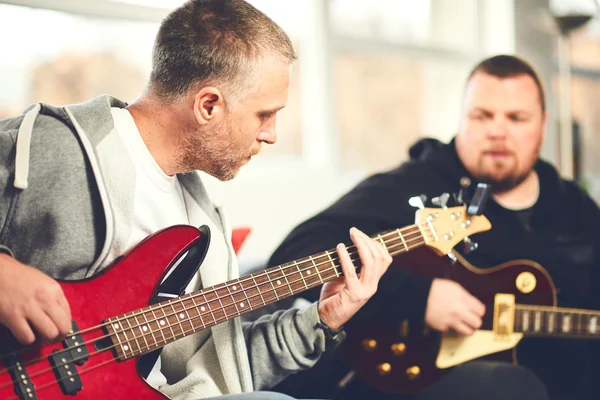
(126, 286)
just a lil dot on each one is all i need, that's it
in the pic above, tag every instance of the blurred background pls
(372, 77)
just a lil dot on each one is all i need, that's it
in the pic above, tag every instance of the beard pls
(502, 177)
(213, 152)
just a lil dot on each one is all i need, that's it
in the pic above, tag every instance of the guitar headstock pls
(443, 228)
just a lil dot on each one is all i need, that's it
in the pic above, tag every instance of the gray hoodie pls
(65, 185)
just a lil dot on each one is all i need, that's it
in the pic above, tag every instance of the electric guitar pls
(113, 324)
(520, 300)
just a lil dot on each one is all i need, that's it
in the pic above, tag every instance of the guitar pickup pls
(63, 361)
(77, 350)
(504, 315)
(66, 374)
(23, 386)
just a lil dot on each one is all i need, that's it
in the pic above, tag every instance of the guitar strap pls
(173, 286)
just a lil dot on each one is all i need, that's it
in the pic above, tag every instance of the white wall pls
(273, 197)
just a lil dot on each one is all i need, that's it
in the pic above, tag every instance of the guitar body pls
(127, 285)
(406, 358)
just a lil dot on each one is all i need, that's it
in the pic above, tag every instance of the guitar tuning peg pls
(452, 257)
(441, 200)
(417, 201)
(470, 246)
(460, 197)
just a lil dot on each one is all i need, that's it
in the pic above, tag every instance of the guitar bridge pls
(504, 316)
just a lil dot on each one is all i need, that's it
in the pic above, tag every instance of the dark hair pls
(508, 66)
(207, 40)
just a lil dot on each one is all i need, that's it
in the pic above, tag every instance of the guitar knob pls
(470, 246)
(413, 372)
(384, 369)
(398, 349)
(369, 344)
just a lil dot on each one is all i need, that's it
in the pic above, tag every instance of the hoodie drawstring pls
(23, 147)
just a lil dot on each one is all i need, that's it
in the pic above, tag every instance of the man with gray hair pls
(80, 185)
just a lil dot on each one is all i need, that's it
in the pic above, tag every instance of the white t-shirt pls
(158, 200)
(159, 203)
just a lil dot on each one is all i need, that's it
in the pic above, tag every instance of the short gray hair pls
(207, 41)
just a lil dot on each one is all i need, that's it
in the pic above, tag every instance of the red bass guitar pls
(113, 324)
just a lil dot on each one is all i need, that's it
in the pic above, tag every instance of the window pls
(385, 103)
(450, 24)
(62, 58)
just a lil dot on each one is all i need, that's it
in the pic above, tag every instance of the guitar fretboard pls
(556, 321)
(152, 327)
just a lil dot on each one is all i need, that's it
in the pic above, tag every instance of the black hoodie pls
(562, 234)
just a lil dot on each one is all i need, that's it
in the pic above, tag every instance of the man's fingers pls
(60, 316)
(471, 319)
(475, 305)
(21, 330)
(43, 324)
(365, 252)
(462, 328)
(346, 263)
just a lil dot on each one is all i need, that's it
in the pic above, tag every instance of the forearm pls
(283, 343)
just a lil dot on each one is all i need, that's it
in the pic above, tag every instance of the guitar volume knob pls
(413, 372)
(384, 369)
(369, 344)
(398, 349)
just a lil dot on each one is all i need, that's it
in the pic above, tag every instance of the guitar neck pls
(152, 327)
(557, 321)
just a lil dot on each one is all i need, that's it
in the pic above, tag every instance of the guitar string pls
(191, 296)
(225, 318)
(241, 280)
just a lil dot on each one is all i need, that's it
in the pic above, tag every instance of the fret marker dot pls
(202, 308)
(22, 376)
(144, 328)
(125, 347)
(116, 326)
(234, 287)
(72, 379)
(308, 272)
(278, 282)
(24, 381)
(162, 322)
(182, 316)
(242, 305)
(79, 350)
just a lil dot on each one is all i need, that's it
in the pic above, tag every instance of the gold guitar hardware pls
(384, 369)
(369, 344)
(413, 372)
(398, 349)
(526, 282)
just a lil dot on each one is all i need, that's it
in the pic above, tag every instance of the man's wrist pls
(333, 337)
